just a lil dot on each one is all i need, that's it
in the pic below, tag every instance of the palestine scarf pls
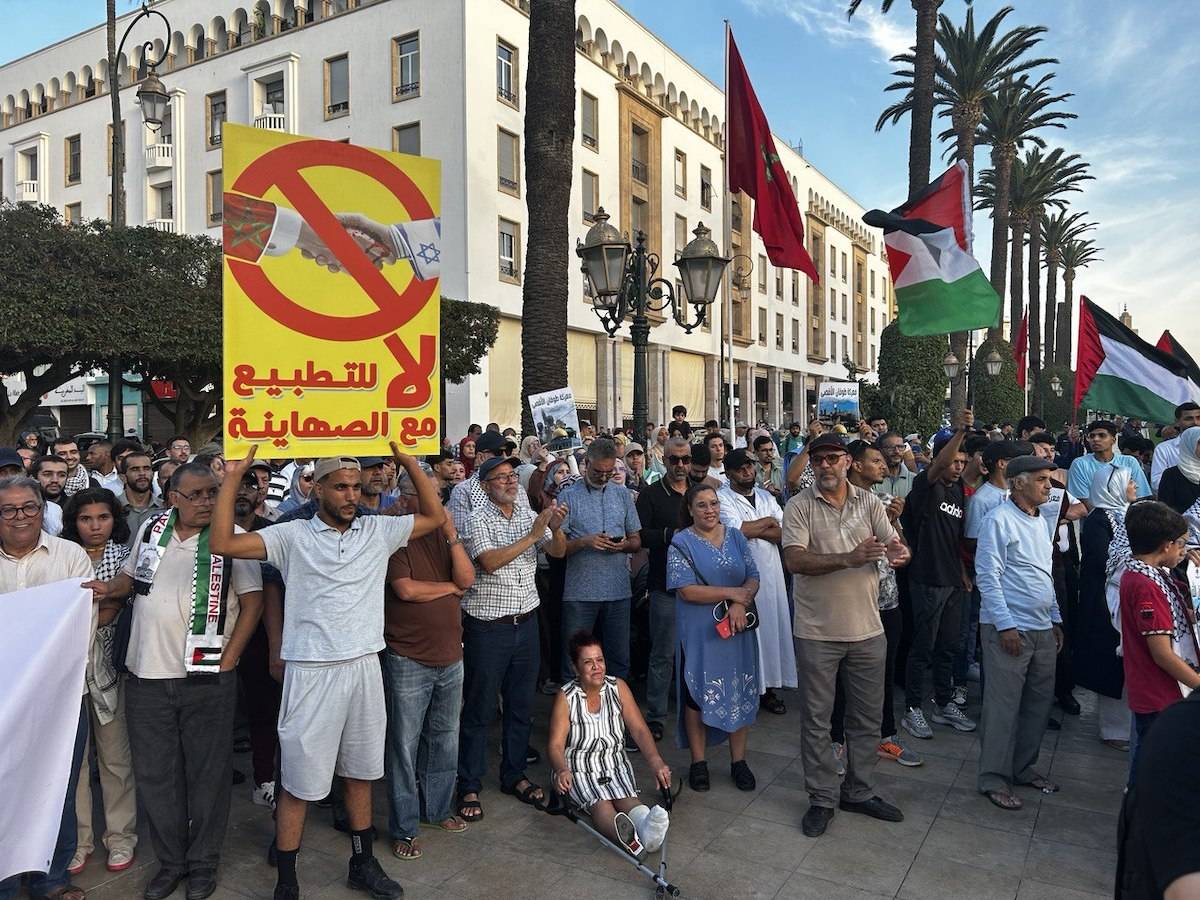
(101, 675)
(1118, 549)
(206, 632)
(1178, 601)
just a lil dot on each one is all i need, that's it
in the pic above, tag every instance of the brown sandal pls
(406, 848)
(1005, 800)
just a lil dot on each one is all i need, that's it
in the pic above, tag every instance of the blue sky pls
(1131, 65)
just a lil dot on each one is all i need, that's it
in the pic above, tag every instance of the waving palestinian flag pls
(1169, 343)
(939, 285)
(1117, 372)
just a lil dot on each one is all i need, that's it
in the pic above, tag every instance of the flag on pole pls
(939, 285)
(1116, 371)
(1168, 343)
(753, 167)
(1021, 350)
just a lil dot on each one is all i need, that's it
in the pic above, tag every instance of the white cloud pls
(889, 35)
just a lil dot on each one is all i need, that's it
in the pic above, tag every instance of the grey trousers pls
(861, 665)
(181, 735)
(662, 654)
(1017, 694)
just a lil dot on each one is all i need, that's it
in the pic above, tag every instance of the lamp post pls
(1056, 385)
(152, 98)
(951, 365)
(623, 285)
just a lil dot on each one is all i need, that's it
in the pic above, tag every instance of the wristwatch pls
(457, 540)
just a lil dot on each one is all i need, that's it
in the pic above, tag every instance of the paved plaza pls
(726, 844)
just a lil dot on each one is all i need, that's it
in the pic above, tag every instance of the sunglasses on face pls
(825, 459)
(679, 460)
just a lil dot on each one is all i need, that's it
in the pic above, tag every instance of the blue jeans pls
(497, 659)
(609, 621)
(422, 743)
(40, 884)
(662, 653)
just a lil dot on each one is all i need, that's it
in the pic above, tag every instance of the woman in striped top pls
(587, 751)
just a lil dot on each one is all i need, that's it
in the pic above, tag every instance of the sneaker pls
(973, 672)
(914, 723)
(889, 748)
(839, 757)
(960, 696)
(119, 859)
(953, 716)
(78, 862)
(628, 836)
(369, 876)
(264, 794)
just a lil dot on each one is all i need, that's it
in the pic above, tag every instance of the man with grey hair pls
(30, 557)
(1020, 629)
(602, 527)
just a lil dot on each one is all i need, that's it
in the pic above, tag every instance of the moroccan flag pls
(1021, 350)
(753, 167)
(939, 285)
(1168, 343)
(1117, 372)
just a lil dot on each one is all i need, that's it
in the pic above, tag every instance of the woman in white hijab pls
(1179, 487)
(1104, 549)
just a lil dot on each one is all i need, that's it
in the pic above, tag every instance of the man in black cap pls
(1020, 631)
(468, 494)
(374, 482)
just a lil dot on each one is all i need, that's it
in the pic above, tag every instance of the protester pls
(901, 466)
(29, 557)
(551, 577)
(299, 490)
(834, 535)
(67, 449)
(635, 464)
(711, 570)
(469, 493)
(374, 482)
(758, 516)
(679, 423)
(1166, 454)
(1179, 485)
(1020, 633)
(767, 468)
(1102, 439)
(137, 498)
(656, 465)
(714, 441)
(93, 520)
(590, 717)
(179, 449)
(1104, 544)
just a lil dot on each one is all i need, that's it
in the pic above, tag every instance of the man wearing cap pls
(374, 482)
(834, 535)
(333, 714)
(1020, 631)
(635, 464)
(11, 463)
(501, 640)
(466, 494)
(261, 471)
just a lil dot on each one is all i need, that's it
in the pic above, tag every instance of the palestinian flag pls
(1117, 372)
(939, 285)
(1168, 343)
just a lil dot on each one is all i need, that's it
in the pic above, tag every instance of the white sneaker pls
(953, 716)
(264, 794)
(652, 829)
(839, 757)
(119, 859)
(627, 836)
(914, 723)
(960, 696)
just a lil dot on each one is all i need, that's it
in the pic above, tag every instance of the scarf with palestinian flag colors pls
(210, 587)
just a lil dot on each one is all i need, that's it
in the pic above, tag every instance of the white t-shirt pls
(162, 618)
(334, 606)
(979, 504)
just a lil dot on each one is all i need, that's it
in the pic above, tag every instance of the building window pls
(795, 288)
(779, 284)
(883, 320)
(589, 120)
(506, 73)
(337, 86)
(510, 250)
(164, 207)
(762, 327)
(639, 153)
(72, 158)
(109, 145)
(844, 271)
(832, 348)
(639, 217)
(706, 187)
(680, 174)
(872, 283)
(73, 213)
(273, 96)
(406, 67)
(872, 322)
(858, 277)
(795, 335)
(591, 195)
(845, 348)
(508, 162)
(407, 138)
(214, 117)
(214, 199)
(778, 331)
(872, 357)
(681, 234)
(845, 306)
(832, 260)
(762, 273)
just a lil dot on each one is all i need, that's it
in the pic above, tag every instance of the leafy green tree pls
(912, 385)
(1058, 230)
(1055, 409)
(468, 332)
(997, 398)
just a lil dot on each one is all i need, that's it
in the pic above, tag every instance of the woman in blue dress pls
(717, 688)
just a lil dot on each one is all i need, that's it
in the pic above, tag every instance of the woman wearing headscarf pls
(1104, 550)
(656, 464)
(1179, 487)
(533, 458)
(466, 454)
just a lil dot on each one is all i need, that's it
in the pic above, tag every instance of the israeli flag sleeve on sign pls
(420, 242)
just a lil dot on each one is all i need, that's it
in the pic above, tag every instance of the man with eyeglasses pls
(30, 557)
(602, 528)
(659, 507)
(182, 692)
(179, 448)
(834, 535)
(468, 493)
(901, 466)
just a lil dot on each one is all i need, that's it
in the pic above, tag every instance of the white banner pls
(43, 650)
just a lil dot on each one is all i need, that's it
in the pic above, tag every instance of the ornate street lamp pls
(950, 366)
(153, 99)
(623, 284)
(993, 363)
(1056, 385)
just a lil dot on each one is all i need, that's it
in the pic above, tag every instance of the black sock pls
(360, 844)
(285, 866)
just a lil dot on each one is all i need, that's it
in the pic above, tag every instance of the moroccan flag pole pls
(1020, 354)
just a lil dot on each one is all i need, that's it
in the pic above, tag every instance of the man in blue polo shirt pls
(1102, 440)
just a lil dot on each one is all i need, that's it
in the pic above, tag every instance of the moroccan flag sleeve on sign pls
(1021, 350)
(1117, 372)
(939, 285)
(754, 168)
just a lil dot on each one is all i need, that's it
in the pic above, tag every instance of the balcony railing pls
(706, 195)
(508, 269)
(27, 191)
(589, 140)
(271, 121)
(163, 225)
(506, 95)
(408, 89)
(214, 218)
(640, 171)
(507, 184)
(337, 109)
(159, 156)
(214, 140)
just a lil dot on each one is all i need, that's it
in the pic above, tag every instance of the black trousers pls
(1066, 590)
(262, 693)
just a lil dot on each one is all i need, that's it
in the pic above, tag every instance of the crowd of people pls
(687, 572)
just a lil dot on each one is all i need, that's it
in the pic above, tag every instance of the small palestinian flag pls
(939, 285)
(1117, 372)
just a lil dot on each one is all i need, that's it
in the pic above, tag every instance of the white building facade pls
(447, 80)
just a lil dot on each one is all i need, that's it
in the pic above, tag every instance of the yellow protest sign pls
(331, 299)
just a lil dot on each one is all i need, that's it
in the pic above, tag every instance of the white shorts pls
(332, 721)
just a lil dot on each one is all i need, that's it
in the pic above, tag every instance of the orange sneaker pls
(889, 748)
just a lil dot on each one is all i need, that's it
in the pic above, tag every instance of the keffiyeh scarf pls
(1118, 549)
(1183, 635)
(101, 675)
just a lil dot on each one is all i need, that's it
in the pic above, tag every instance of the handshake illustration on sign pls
(419, 242)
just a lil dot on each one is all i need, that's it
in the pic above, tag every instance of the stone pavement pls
(952, 844)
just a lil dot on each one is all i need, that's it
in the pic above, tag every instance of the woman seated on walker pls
(587, 750)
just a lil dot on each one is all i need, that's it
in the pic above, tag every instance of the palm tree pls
(1058, 230)
(1075, 255)
(549, 143)
(1010, 118)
